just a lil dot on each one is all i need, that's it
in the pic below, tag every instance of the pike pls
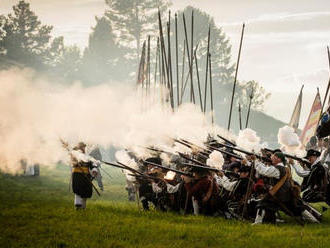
(177, 60)
(235, 80)
(188, 75)
(167, 168)
(240, 116)
(163, 53)
(170, 75)
(148, 67)
(157, 54)
(207, 66)
(192, 55)
(192, 97)
(249, 109)
(198, 81)
(211, 89)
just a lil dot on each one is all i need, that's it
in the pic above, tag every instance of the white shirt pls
(268, 171)
(304, 172)
(226, 183)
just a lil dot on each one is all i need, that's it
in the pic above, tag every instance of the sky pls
(284, 44)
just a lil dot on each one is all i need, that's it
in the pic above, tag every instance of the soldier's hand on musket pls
(253, 157)
(94, 172)
(220, 173)
(290, 161)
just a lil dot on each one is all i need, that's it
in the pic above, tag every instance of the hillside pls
(38, 212)
(266, 126)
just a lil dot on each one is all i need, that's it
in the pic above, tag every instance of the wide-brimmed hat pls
(312, 152)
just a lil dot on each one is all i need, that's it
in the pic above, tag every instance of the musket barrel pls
(167, 168)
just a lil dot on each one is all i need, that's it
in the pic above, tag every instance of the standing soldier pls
(84, 168)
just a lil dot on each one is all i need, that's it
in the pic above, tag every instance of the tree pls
(25, 40)
(134, 20)
(254, 89)
(2, 33)
(103, 58)
(220, 50)
(68, 63)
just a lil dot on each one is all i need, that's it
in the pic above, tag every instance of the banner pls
(312, 121)
(294, 122)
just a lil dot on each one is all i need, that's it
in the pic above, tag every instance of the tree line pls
(114, 47)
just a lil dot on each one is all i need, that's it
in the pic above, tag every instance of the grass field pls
(38, 212)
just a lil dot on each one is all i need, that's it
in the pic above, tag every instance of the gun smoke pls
(37, 112)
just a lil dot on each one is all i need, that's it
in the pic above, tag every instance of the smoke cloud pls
(249, 140)
(37, 112)
(289, 141)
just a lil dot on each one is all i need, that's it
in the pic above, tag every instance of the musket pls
(208, 168)
(225, 152)
(290, 156)
(112, 164)
(190, 159)
(247, 152)
(213, 148)
(157, 150)
(144, 176)
(226, 140)
(169, 169)
(191, 146)
(201, 167)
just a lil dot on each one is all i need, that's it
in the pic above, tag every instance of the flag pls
(294, 122)
(312, 121)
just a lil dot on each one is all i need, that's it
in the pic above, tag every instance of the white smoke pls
(289, 141)
(36, 112)
(248, 140)
(215, 160)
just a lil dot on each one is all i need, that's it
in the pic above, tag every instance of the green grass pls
(38, 212)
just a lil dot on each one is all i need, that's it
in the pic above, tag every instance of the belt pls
(84, 170)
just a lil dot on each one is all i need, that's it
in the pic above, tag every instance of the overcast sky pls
(284, 44)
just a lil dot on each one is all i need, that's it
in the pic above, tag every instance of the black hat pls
(235, 165)
(281, 156)
(200, 171)
(277, 150)
(245, 168)
(155, 160)
(312, 152)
